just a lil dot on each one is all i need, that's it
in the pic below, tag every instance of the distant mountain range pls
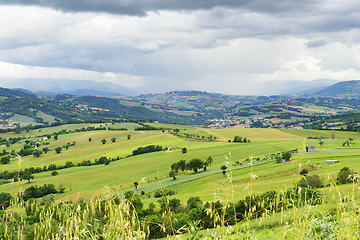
(342, 89)
(95, 88)
(190, 107)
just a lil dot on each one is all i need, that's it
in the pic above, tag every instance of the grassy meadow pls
(256, 176)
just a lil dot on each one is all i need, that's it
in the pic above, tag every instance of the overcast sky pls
(227, 46)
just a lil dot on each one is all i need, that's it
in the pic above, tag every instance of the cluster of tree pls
(146, 127)
(16, 175)
(193, 165)
(164, 192)
(196, 136)
(147, 149)
(345, 175)
(171, 211)
(241, 139)
(38, 192)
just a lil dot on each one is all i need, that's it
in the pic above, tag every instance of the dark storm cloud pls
(140, 7)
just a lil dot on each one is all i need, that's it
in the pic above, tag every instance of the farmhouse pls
(331, 161)
(310, 148)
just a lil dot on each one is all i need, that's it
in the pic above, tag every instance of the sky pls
(226, 46)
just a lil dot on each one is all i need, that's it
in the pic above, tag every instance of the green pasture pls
(81, 182)
(47, 118)
(238, 183)
(322, 133)
(172, 126)
(69, 127)
(23, 120)
(254, 134)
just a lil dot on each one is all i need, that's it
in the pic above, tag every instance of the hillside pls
(87, 168)
(342, 89)
(185, 107)
(62, 108)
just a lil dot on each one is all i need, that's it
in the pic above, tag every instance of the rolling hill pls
(342, 89)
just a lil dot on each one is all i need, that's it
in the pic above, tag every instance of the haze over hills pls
(90, 87)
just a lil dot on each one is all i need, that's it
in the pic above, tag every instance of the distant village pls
(252, 122)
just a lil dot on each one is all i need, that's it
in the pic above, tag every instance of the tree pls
(113, 140)
(69, 164)
(321, 142)
(37, 153)
(58, 150)
(184, 150)
(194, 202)
(304, 172)
(5, 199)
(175, 167)
(101, 160)
(103, 141)
(128, 137)
(5, 160)
(136, 184)
(46, 149)
(286, 156)
(195, 164)
(182, 165)
(332, 135)
(54, 173)
(223, 168)
(27, 176)
(237, 139)
(209, 161)
(345, 175)
(56, 137)
(90, 139)
(172, 174)
(313, 181)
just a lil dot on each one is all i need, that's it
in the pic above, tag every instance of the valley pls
(251, 167)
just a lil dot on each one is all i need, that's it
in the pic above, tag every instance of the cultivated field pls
(250, 169)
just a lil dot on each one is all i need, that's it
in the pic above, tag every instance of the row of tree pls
(193, 165)
(147, 149)
(26, 173)
(241, 139)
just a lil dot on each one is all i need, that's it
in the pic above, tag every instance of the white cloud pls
(10, 70)
(217, 49)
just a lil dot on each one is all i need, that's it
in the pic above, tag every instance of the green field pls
(121, 174)
(256, 176)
